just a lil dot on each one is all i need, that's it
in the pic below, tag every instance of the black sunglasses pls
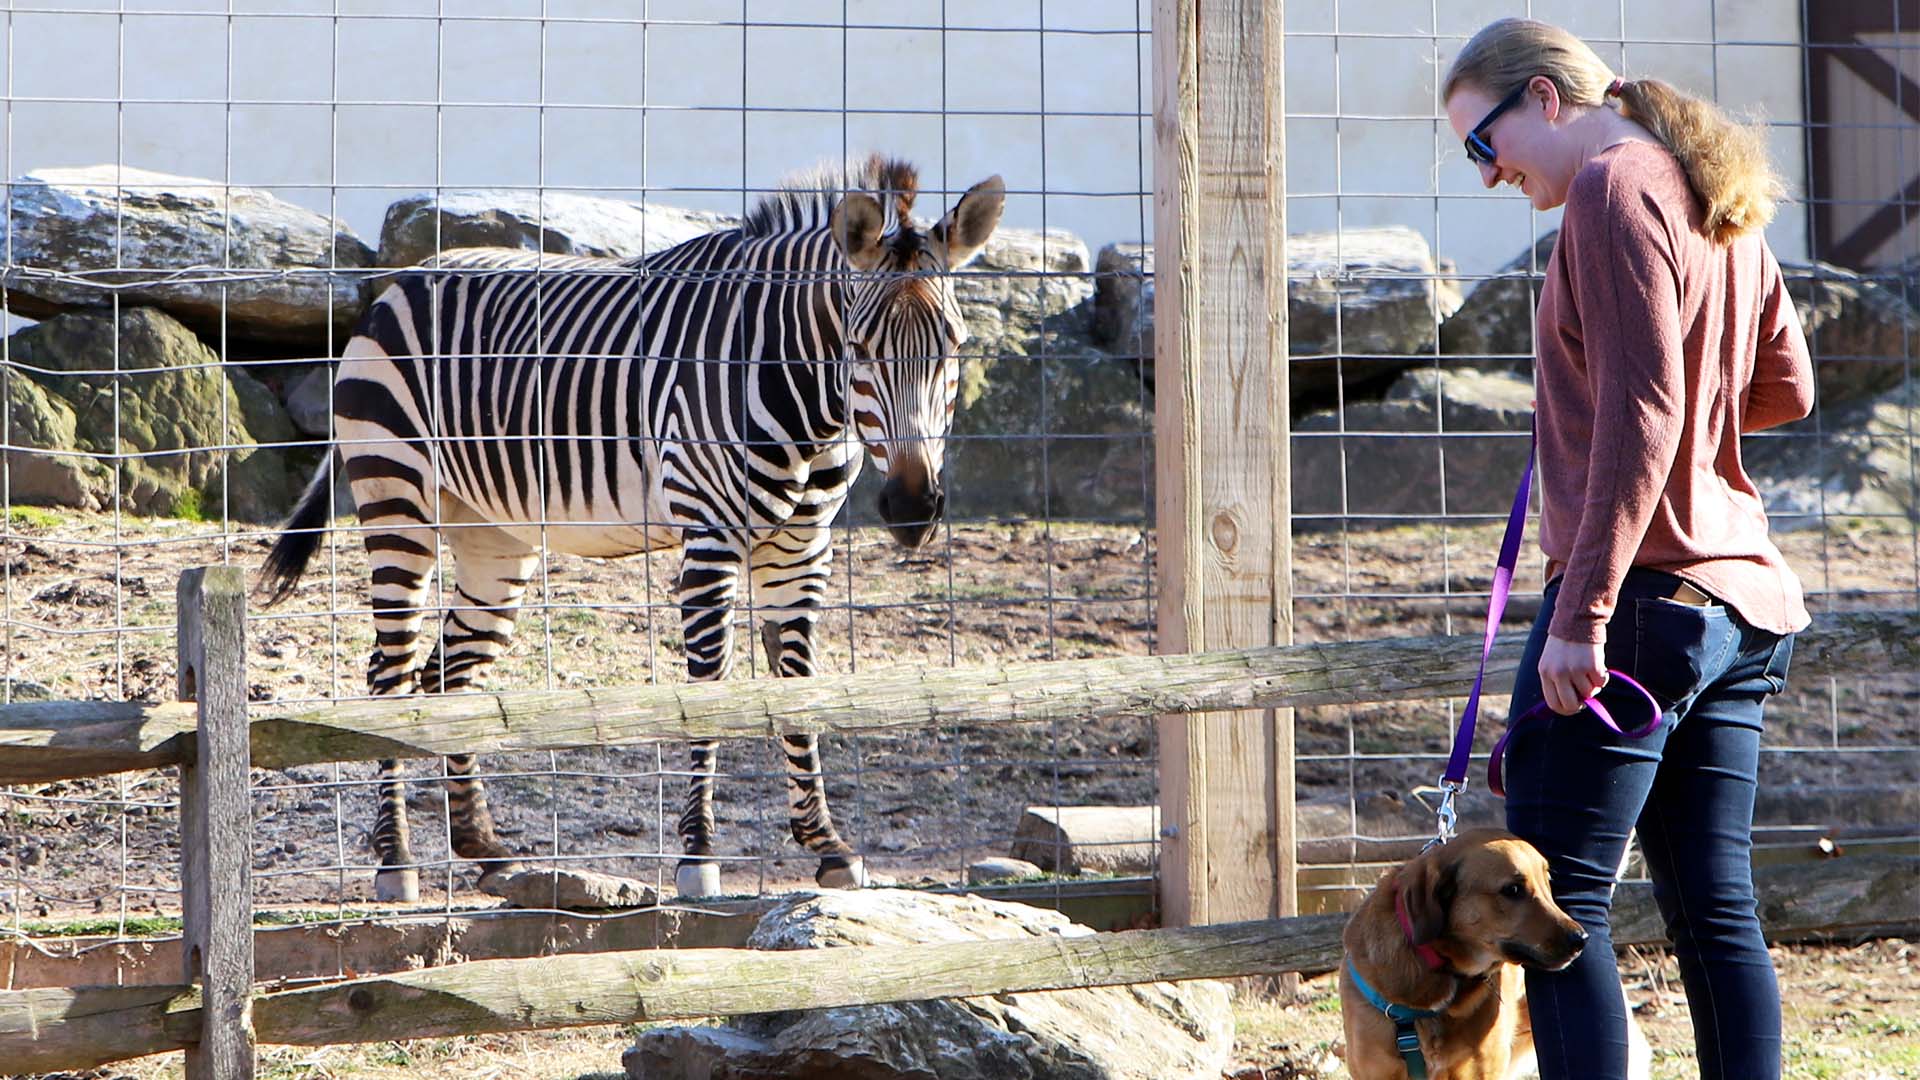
(1479, 149)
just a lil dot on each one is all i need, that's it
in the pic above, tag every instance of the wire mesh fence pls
(206, 197)
(164, 406)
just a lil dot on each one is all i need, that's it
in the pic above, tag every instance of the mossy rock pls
(146, 394)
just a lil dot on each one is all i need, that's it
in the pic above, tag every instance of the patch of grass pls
(135, 926)
(139, 926)
(34, 517)
(189, 505)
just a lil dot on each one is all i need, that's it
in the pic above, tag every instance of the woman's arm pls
(1783, 387)
(1625, 275)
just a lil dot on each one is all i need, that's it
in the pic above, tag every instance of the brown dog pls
(1448, 933)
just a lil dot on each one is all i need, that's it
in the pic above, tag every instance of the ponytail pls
(1725, 160)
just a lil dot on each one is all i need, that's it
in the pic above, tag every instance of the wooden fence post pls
(1221, 425)
(216, 830)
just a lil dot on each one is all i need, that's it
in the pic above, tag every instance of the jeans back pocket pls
(1679, 648)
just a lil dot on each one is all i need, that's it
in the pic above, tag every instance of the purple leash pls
(1454, 781)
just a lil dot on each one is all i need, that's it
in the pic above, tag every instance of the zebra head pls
(903, 324)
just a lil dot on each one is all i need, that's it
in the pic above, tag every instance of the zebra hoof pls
(842, 872)
(697, 879)
(397, 886)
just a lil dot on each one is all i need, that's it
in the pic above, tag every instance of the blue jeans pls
(1575, 789)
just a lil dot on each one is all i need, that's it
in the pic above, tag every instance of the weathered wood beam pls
(43, 1030)
(65, 740)
(216, 821)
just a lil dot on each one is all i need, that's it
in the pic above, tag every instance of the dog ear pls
(1427, 887)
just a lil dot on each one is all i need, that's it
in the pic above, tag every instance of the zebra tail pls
(299, 537)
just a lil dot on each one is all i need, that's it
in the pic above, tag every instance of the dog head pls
(1482, 899)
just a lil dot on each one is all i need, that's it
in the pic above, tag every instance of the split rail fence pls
(214, 737)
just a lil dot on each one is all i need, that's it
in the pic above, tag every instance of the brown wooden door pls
(1864, 106)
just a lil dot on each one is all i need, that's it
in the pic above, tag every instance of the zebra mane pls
(805, 200)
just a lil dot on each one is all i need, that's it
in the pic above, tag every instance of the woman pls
(1664, 333)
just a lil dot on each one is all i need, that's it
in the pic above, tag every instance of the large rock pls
(1019, 286)
(1389, 457)
(1123, 300)
(43, 476)
(199, 249)
(1064, 431)
(1863, 334)
(1376, 297)
(558, 223)
(1496, 318)
(145, 388)
(1158, 1031)
(1863, 463)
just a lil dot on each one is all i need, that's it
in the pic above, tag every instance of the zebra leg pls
(403, 554)
(491, 568)
(790, 576)
(709, 584)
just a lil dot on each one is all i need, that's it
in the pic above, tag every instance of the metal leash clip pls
(1448, 818)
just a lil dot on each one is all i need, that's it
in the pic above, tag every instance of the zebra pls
(714, 397)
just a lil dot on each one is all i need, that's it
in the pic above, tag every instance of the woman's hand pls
(1570, 673)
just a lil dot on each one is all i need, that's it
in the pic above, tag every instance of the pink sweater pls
(1657, 349)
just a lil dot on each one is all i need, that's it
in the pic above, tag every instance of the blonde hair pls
(1725, 160)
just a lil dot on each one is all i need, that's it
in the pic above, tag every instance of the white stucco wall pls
(347, 113)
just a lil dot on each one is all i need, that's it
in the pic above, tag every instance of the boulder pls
(164, 404)
(1863, 463)
(201, 250)
(1064, 431)
(1156, 1031)
(1018, 287)
(1863, 333)
(1389, 457)
(43, 476)
(1123, 300)
(1377, 294)
(1496, 318)
(309, 401)
(558, 223)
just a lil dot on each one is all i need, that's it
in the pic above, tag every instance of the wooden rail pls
(69, 740)
(75, 1028)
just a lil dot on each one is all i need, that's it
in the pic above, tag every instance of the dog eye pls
(1514, 890)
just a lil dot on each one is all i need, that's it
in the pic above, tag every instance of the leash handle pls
(1497, 785)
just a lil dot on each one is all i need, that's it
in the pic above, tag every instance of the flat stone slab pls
(572, 890)
(988, 871)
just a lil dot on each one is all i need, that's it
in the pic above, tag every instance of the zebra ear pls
(967, 227)
(857, 221)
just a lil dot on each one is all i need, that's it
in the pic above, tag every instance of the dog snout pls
(1576, 939)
